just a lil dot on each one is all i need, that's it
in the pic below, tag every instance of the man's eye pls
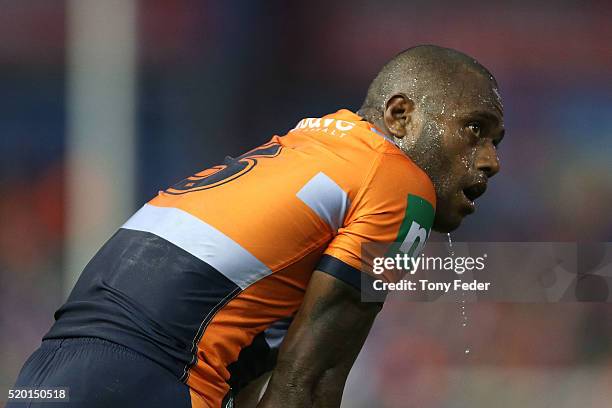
(475, 128)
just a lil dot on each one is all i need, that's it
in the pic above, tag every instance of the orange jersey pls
(248, 234)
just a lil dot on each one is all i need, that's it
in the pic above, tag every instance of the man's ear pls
(398, 115)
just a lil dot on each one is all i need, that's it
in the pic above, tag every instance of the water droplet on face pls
(467, 351)
(464, 324)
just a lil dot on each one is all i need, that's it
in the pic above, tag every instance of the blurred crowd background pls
(215, 78)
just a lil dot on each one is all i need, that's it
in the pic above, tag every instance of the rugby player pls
(254, 266)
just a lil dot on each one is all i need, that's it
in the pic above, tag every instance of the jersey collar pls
(349, 116)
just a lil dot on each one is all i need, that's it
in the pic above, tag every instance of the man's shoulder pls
(358, 154)
(395, 174)
(343, 136)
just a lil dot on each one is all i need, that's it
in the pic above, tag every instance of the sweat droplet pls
(464, 317)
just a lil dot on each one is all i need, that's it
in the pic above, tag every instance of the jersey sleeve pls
(396, 204)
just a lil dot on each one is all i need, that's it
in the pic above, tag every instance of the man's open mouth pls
(474, 191)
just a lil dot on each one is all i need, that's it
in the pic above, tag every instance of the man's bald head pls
(427, 74)
(441, 108)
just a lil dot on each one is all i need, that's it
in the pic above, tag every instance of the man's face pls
(458, 146)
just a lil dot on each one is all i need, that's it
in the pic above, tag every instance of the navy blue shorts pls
(99, 373)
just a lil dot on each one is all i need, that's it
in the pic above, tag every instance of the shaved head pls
(426, 74)
(442, 108)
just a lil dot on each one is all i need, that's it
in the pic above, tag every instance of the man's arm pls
(321, 346)
(248, 397)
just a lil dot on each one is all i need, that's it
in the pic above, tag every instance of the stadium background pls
(93, 125)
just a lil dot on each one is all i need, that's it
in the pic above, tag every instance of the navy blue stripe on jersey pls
(147, 294)
(347, 274)
(343, 271)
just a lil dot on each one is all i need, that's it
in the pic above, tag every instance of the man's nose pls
(488, 162)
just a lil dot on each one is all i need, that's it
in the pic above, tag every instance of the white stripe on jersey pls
(200, 240)
(325, 197)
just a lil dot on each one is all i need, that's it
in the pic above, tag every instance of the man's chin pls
(446, 224)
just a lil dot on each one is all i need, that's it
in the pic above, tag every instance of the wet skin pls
(453, 136)
(473, 128)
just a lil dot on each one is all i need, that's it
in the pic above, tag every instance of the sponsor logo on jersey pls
(416, 227)
(334, 127)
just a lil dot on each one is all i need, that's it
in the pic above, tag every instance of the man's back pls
(205, 278)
